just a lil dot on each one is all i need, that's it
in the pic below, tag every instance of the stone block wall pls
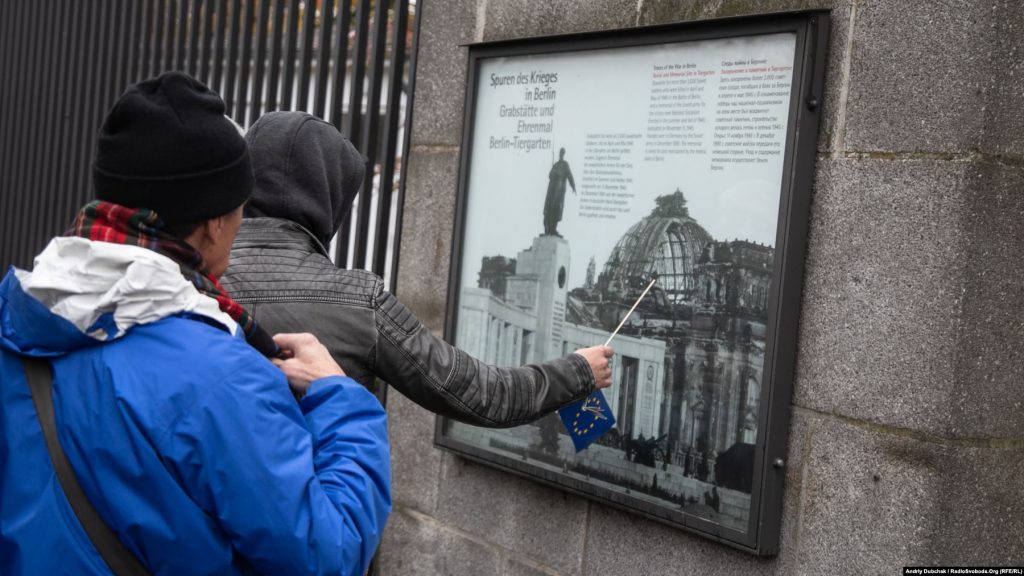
(907, 437)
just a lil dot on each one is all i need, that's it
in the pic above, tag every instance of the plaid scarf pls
(107, 222)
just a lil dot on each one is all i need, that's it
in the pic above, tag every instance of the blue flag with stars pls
(587, 419)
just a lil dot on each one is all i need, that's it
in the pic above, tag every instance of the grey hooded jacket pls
(307, 175)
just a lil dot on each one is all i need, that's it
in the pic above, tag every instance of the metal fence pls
(64, 63)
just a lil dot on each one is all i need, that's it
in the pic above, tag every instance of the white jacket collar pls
(84, 281)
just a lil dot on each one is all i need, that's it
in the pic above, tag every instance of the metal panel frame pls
(812, 31)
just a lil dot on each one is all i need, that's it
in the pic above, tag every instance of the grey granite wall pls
(907, 437)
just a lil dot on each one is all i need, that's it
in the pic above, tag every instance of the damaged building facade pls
(689, 360)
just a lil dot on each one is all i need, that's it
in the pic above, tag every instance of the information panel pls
(594, 164)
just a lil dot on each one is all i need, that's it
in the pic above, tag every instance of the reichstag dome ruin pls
(689, 360)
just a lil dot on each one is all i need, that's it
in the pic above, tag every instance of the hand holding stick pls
(599, 360)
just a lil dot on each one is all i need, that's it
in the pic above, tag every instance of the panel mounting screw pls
(813, 103)
(778, 463)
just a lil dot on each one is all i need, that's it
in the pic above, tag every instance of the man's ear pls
(210, 228)
(206, 234)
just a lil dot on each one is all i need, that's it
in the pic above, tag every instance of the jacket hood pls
(81, 293)
(306, 172)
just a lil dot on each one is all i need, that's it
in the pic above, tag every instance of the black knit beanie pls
(167, 146)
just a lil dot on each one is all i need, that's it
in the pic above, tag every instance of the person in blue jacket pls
(199, 453)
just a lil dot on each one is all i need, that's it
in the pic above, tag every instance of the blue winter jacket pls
(187, 442)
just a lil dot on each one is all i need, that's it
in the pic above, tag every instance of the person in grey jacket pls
(307, 175)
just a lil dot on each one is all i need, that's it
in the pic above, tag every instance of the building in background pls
(688, 363)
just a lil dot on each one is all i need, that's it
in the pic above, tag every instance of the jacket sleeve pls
(297, 488)
(450, 382)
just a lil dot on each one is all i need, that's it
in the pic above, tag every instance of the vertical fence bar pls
(83, 118)
(355, 110)
(243, 80)
(36, 111)
(27, 110)
(288, 82)
(371, 129)
(71, 103)
(350, 122)
(14, 233)
(30, 83)
(20, 118)
(261, 55)
(159, 34)
(106, 65)
(128, 10)
(78, 114)
(275, 55)
(149, 38)
(146, 42)
(308, 27)
(8, 31)
(43, 212)
(323, 58)
(58, 87)
(139, 39)
(103, 97)
(340, 61)
(406, 139)
(381, 246)
(12, 39)
(275, 48)
(180, 34)
(209, 12)
(23, 198)
(218, 45)
(64, 145)
(228, 93)
(195, 25)
(167, 33)
(170, 34)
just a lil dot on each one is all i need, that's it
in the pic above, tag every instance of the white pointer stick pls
(635, 304)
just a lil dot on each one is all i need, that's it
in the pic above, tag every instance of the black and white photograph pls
(592, 174)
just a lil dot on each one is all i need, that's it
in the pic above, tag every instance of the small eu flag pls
(587, 419)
